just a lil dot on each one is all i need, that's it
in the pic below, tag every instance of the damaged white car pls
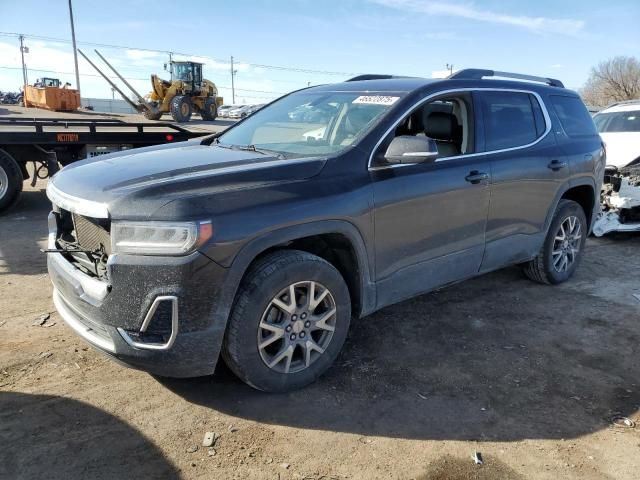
(619, 127)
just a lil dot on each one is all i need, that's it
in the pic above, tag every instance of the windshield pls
(182, 71)
(618, 121)
(310, 123)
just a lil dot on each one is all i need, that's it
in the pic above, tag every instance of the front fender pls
(250, 251)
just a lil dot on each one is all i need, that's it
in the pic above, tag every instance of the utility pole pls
(23, 50)
(233, 87)
(450, 68)
(75, 49)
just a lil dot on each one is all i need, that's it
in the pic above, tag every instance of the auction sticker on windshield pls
(376, 100)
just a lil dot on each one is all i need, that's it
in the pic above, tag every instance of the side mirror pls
(410, 149)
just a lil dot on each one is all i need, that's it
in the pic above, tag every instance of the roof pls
(468, 78)
(629, 106)
(398, 84)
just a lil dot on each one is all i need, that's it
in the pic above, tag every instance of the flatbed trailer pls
(49, 142)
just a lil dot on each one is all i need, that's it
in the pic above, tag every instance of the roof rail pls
(479, 74)
(374, 76)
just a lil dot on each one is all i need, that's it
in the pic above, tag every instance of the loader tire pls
(181, 108)
(209, 110)
(149, 115)
(10, 181)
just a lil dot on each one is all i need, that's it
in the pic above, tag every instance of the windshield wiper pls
(264, 151)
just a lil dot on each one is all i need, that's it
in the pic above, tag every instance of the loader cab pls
(188, 72)
(47, 82)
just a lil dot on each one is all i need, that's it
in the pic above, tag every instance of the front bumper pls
(116, 317)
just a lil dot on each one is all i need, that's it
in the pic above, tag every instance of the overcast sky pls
(412, 37)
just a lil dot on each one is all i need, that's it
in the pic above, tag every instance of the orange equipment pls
(47, 93)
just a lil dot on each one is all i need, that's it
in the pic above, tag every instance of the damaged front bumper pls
(154, 313)
(620, 202)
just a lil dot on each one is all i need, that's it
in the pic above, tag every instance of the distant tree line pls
(614, 80)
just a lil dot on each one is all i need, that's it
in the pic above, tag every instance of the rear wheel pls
(289, 321)
(563, 246)
(10, 180)
(181, 108)
(210, 109)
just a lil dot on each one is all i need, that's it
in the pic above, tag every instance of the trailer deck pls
(49, 138)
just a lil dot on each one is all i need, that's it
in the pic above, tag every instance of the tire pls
(209, 110)
(181, 108)
(149, 115)
(10, 181)
(267, 281)
(549, 267)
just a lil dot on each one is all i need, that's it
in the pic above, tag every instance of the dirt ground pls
(529, 376)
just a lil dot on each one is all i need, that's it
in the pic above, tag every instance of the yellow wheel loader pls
(186, 93)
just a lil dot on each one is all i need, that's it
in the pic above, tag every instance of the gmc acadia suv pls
(262, 242)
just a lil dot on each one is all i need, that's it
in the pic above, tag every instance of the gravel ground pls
(530, 376)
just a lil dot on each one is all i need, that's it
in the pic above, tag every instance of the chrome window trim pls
(77, 205)
(145, 323)
(543, 107)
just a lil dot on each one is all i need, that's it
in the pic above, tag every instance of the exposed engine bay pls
(620, 199)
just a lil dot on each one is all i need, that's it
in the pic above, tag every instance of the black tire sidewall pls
(253, 369)
(14, 175)
(206, 110)
(176, 108)
(565, 209)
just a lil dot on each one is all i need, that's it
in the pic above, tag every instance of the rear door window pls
(511, 119)
(573, 115)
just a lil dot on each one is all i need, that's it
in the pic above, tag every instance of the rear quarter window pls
(573, 115)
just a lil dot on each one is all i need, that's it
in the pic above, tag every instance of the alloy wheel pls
(297, 327)
(566, 244)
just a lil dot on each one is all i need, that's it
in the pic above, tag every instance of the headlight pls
(159, 238)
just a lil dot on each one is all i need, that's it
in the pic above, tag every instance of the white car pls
(240, 111)
(619, 127)
(223, 110)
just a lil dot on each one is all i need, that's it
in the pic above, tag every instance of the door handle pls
(476, 177)
(556, 165)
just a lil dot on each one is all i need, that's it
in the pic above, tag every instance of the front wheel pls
(181, 108)
(563, 246)
(289, 321)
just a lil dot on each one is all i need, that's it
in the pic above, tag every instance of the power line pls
(134, 78)
(256, 65)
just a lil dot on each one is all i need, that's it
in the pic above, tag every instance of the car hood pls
(138, 182)
(622, 147)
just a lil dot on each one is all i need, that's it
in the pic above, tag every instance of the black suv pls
(332, 202)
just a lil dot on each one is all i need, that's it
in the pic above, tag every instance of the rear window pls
(573, 115)
(511, 119)
(618, 121)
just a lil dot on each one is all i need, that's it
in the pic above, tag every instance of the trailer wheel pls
(210, 109)
(181, 108)
(10, 180)
(149, 115)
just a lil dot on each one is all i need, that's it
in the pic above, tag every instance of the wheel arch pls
(338, 242)
(582, 191)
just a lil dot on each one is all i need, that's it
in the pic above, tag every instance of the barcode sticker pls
(376, 100)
